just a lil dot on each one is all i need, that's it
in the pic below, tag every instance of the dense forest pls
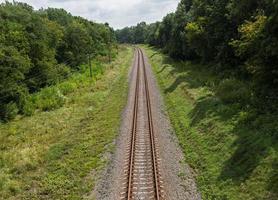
(41, 48)
(235, 37)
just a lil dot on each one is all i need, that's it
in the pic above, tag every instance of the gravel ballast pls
(178, 178)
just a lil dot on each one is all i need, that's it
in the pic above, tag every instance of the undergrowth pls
(53, 97)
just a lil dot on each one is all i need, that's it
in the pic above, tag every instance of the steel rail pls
(151, 128)
(140, 58)
(134, 126)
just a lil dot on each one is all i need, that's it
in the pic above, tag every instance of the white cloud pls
(118, 13)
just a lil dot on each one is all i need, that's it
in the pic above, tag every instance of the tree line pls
(38, 48)
(239, 37)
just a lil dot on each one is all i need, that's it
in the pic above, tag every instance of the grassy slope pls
(57, 154)
(232, 150)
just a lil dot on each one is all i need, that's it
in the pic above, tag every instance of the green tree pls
(13, 66)
(36, 48)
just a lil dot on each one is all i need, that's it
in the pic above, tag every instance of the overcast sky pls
(118, 13)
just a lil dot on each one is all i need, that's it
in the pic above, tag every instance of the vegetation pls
(231, 36)
(59, 154)
(219, 80)
(41, 48)
(220, 91)
(231, 147)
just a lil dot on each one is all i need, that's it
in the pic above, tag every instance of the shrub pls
(67, 87)
(8, 111)
(49, 99)
(27, 105)
(63, 71)
(233, 91)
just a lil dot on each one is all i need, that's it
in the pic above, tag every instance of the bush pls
(63, 71)
(67, 87)
(27, 105)
(8, 111)
(233, 91)
(49, 99)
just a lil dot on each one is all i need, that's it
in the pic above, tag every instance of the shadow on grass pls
(188, 76)
(175, 84)
(251, 147)
(163, 68)
(273, 184)
(211, 106)
(255, 134)
(252, 144)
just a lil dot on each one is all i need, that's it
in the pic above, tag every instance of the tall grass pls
(53, 97)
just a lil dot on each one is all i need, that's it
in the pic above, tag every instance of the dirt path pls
(178, 181)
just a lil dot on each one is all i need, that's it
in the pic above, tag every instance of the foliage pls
(234, 91)
(239, 36)
(196, 38)
(49, 99)
(135, 34)
(229, 144)
(250, 34)
(40, 48)
(60, 154)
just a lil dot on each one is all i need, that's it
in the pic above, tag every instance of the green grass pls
(53, 97)
(58, 154)
(231, 145)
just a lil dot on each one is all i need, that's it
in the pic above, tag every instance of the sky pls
(118, 13)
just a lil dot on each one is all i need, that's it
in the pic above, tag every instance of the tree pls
(13, 67)
(38, 46)
(236, 35)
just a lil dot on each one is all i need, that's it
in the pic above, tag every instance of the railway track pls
(142, 175)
